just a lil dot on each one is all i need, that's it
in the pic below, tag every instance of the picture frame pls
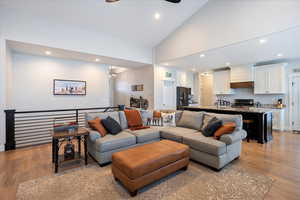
(69, 87)
(137, 88)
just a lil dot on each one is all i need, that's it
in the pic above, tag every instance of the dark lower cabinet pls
(268, 127)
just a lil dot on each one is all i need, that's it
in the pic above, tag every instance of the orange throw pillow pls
(134, 118)
(227, 128)
(97, 125)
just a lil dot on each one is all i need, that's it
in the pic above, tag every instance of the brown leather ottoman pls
(142, 165)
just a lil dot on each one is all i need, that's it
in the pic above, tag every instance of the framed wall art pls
(69, 87)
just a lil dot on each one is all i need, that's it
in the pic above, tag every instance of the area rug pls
(198, 182)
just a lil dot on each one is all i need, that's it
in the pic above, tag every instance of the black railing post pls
(10, 130)
(77, 116)
(121, 107)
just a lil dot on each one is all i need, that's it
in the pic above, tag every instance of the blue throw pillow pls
(111, 125)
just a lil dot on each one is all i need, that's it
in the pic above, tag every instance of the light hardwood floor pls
(279, 159)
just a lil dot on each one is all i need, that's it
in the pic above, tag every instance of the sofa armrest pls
(233, 137)
(94, 135)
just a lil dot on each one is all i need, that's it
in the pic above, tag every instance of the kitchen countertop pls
(236, 109)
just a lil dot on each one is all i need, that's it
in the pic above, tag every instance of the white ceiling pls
(131, 20)
(67, 54)
(286, 43)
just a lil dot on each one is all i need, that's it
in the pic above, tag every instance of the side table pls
(59, 137)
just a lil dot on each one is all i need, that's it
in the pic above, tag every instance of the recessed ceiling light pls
(279, 55)
(157, 16)
(263, 41)
(202, 55)
(167, 64)
(227, 64)
(97, 59)
(194, 69)
(48, 52)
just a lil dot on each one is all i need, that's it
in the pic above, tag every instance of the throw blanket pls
(139, 128)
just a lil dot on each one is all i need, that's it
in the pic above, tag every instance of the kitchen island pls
(262, 126)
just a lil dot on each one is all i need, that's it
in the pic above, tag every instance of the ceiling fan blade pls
(174, 1)
(111, 1)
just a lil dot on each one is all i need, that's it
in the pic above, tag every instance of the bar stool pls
(248, 123)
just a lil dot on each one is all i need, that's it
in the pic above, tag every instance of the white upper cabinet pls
(260, 83)
(185, 79)
(270, 79)
(241, 74)
(221, 82)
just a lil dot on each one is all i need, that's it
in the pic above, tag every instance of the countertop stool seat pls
(248, 123)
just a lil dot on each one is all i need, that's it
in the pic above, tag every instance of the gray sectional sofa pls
(206, 150)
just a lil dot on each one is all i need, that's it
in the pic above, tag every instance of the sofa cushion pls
(112, 142)
(123, 120)
(146, 135)
(176, 133)
(205, 144)
(190, 119)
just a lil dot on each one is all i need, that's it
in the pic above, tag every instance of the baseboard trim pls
(2, 147)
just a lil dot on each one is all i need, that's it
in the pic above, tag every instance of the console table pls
(59, 137)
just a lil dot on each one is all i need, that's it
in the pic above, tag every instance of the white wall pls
(32, 79)
(181, 78)
(159, 77)
(125, 80)
(23, 27)
(2, 91)
(223, 22)
(9, 72)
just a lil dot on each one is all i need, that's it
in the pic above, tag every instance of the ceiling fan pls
(172, 1)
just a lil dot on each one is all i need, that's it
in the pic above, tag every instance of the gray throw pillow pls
(178, 114)
(190, 119)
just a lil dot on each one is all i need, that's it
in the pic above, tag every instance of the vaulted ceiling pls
(130, 20)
